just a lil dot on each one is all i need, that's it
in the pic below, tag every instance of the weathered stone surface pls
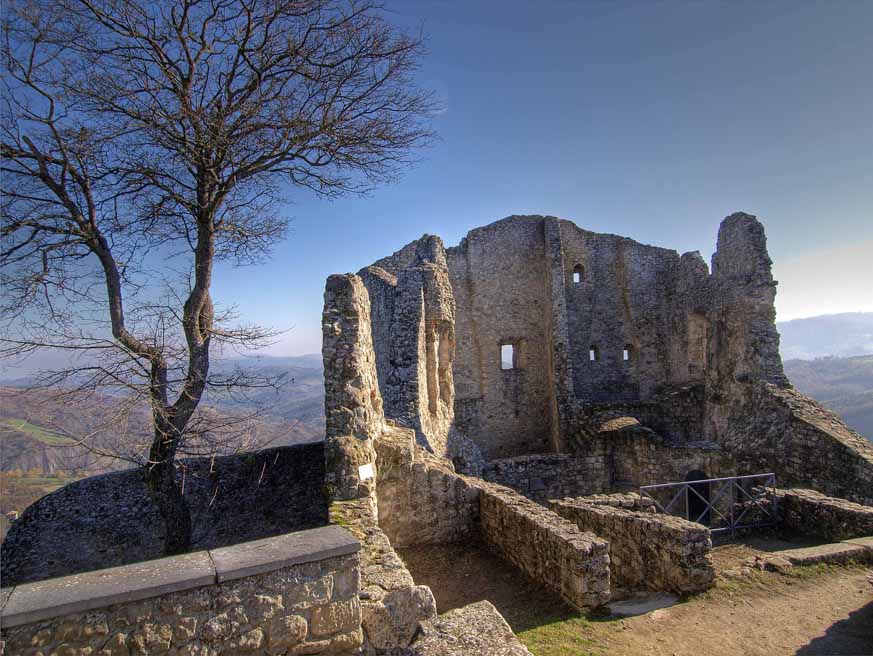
(32, 602)
(477, 629)
(353, 404)
(812, 513)
(394, 621)
(310, 607)
(109, 520)
(259, 556)
(545, 546)
(646, 549)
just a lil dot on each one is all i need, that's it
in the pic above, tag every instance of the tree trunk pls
(167, 496)
(160, 479)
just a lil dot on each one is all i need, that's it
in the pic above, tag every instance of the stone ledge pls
(260, 556)
(42, 600)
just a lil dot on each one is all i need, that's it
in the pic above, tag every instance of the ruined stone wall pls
(421, 500)
(811, 513)
(110, 520)
(413, 332)
(293, 594)
(638, 456)
(623, 296)
(618, 459)
(551, 475)
(549, 549)
(806, 445)
(675, 412)
(501, 287)
(646, 550)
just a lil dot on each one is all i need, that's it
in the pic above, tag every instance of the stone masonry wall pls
(646, 550)
(421, 500)
(551, 475)
(812, 513)
(549, 549)
(619, 458)
(501, 287)
(805, 444)
(308, 607)
(109, 520)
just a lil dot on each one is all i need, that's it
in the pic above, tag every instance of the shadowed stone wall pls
(109, 520)
(811, 513)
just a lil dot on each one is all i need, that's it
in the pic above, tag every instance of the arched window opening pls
(578, 274)
(593, 354)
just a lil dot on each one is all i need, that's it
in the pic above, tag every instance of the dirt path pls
(825, 612)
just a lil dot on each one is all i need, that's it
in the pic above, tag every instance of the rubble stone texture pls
(601, 327)
(474, 629)
(312, 608)
(811, 513)
(646, 549)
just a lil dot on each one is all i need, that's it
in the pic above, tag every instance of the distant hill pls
(842, 335)
(845, 385)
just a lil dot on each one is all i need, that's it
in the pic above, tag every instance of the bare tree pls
(143, 141)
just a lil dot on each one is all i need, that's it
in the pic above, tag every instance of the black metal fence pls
(722, 504)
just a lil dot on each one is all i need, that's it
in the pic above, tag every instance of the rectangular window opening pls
(625, 355)
(507, 356)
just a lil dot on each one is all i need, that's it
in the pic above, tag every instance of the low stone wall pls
(639, 456)
(109, 520)
(623, 455)
(812, 513)
(291, 594)
(421, 500)
(549, 549)
(646, 550)
(550, 475)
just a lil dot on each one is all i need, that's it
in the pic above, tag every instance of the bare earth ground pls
(824, 611)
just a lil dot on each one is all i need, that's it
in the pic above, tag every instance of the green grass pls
(44, 435)
(567, 637)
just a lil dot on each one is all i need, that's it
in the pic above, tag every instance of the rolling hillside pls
(845, 385)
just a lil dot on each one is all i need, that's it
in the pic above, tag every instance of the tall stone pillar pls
(353, 404)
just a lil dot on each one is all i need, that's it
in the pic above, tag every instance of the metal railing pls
(722, 504)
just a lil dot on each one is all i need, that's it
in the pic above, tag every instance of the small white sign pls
(365, 472)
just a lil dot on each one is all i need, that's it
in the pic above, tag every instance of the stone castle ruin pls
(514, 391)
(535, 341)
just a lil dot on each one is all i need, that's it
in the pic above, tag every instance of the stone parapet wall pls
(550, 475)
(812, 513)
(291, 594)
(110, 520)
(546, 547)
(646, 550)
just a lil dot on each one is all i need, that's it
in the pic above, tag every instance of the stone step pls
(857, 549)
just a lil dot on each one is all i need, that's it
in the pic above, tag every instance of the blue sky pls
(652, 120)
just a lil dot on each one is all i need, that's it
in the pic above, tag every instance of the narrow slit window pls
(592, 354)
(507, 356)
(578, 273)
(626, 354)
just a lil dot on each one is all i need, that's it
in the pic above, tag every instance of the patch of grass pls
(44, 435)
(575, 636)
